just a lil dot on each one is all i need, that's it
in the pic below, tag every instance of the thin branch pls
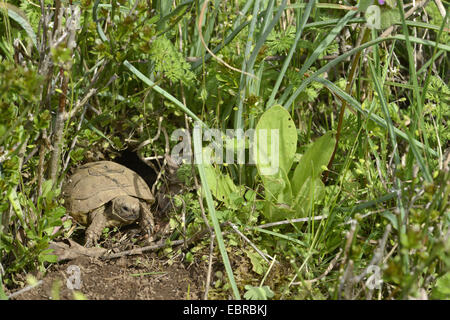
(378, 255)
(57, 140)
(161, 244)
(348, 244)
(27, 288)
(344, 280)
(209, 272)
(80, 103)
(327, 271)
(75, 139)
(262, 254)
(43, 145)
(289, 221)
(413, 9)
(150, 141)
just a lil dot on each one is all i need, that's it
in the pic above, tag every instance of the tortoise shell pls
(96, 183)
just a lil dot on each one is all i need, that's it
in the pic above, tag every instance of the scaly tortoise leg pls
(147, 223)
(97, 219)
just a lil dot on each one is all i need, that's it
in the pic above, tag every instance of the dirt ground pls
(155, 275)
(148, 276)
(143, 277)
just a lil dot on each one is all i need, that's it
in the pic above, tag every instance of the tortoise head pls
(125, 208)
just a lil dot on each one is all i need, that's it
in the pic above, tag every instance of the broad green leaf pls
(250, 195)
(3, 295)
(313, 161)
(258, 293)
(14, 200)
(278, 185)
(442, 288)
(274, 211)
(256, 261)
(46, 188)
(19, 16)
(278, 196)
(46, 256)
(274, 147)
(221, 184)
(275, 141)
(312, 191)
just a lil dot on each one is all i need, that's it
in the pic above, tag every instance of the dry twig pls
(23, 290)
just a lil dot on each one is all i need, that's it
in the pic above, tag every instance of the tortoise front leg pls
(147, 223)
(97, 219)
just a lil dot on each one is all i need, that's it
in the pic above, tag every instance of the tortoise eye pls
(125, 208)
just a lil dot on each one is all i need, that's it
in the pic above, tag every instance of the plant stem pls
(59, 128)
(365, 36)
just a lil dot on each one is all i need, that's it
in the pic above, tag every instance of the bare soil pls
(144, 277)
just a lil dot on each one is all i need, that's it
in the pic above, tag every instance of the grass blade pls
(342, 57)
(238, 120)
(326, 42)
(377, 119)
(198, 151)
(291, 53)
(18, 16)
(397, 182)
(161, 91)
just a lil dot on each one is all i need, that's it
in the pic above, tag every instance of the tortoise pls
(106, 194)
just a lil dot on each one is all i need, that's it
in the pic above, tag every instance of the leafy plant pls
(288, 196)
(38, 223)
(442, 289)
(258, 293)
(170, 62)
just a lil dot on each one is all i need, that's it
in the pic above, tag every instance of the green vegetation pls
(362, 115)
